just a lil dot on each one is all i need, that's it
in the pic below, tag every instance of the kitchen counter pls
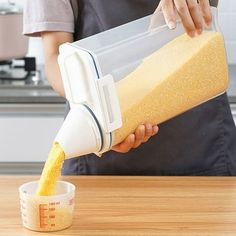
(29, 94)
(136, 206)
(35, 89)
(40, 91)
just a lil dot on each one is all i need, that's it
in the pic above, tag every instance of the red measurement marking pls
(43, 225)
(53, 225)
(42, 210)
(52, 217)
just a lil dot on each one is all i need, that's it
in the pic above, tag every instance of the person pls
(202, 141)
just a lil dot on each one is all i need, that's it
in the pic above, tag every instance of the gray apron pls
(202, 141)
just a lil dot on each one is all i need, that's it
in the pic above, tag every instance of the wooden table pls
(136, 206)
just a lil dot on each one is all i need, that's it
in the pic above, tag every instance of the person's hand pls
(193, 14)
(141, 135)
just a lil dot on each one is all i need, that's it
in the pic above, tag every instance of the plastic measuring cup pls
(47, 213)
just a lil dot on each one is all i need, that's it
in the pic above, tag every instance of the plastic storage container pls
(89, 68)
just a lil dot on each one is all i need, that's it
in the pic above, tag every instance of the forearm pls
(53, 74)
(51, 43)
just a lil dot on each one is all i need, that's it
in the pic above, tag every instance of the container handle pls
(110, 103)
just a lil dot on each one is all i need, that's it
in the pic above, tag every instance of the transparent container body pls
(47, 213)
(120, 50)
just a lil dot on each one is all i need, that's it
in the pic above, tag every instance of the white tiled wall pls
(227, 21)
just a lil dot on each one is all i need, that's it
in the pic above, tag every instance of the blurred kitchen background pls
(31, 113)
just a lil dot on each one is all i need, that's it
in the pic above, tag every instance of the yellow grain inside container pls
(51, 171)
(177, 77)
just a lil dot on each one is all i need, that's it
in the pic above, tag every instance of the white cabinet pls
(27, 131)
(233, 108)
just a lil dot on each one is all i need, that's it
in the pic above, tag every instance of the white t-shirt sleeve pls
(49, 15)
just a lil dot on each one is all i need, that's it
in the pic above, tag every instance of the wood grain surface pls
(136, 206)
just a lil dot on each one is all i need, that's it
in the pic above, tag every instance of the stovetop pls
(33, 80)
(17, 69)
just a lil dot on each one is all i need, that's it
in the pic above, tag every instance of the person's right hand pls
(193, 14)
(141, 135)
